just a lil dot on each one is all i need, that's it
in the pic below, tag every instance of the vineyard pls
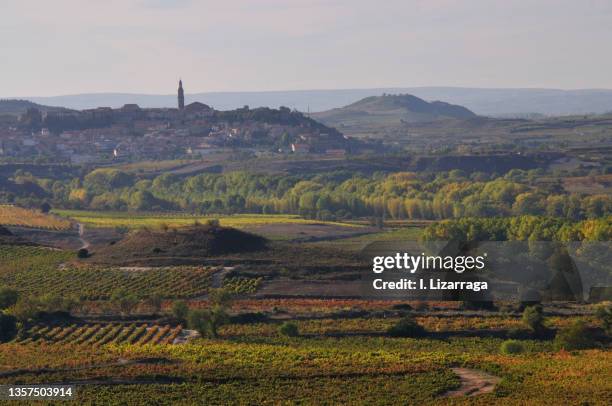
(242, 285)
(100, 334)
(18, 216)
(263, 370)
(37, 270)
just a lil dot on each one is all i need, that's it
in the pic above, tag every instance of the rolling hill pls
(392, 110)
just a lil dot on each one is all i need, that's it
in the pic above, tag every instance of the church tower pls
(181, 96)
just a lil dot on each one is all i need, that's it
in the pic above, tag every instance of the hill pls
(509, 102)
(197, 241)
(392, 110)
(8, 238)
(17, 107)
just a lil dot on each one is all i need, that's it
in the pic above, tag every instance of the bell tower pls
(181, 96)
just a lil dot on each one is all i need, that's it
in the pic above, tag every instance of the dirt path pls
(473, 382)
(186, 336)
(216, 280)
(84, 243)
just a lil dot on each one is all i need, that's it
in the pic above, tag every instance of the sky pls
(63, 47)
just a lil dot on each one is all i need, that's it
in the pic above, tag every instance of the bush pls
(289, 329)
(534, 319)
(83, 253)
(510, 347)
(574, 337)
(406, 327)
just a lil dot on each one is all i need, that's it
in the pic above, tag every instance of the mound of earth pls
(200, 241)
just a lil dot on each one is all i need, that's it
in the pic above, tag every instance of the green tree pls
(208, 321)
(180, 310)
(8, 297)
(124, 301)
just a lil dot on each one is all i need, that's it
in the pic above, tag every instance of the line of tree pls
(328, 196)
(520, 228)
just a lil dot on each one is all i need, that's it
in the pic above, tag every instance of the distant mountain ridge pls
(482, 101)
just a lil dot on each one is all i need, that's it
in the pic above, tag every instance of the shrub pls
(289, 329)
(406, 327)
(574, 337)
(83, 253)
(534, 319)
(510, 347)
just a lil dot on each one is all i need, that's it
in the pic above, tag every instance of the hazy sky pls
(53, 47)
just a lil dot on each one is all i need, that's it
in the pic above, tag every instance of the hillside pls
(392, 110)
(17, 107)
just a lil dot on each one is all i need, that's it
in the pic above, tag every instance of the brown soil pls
(202, 241)
(473, 382)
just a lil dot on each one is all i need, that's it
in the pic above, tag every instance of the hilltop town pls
(192, 130)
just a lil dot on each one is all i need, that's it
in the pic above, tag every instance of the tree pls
(25, 310)
(124, 301)
(45, 207)
(533, 317)
(8, 297)
(289, 329)
(574, 337)
(406, 327)
(180, 310)
(8, 327)
(208, 321)
(604, 314)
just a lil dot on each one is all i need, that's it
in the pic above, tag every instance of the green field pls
(152, 219)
